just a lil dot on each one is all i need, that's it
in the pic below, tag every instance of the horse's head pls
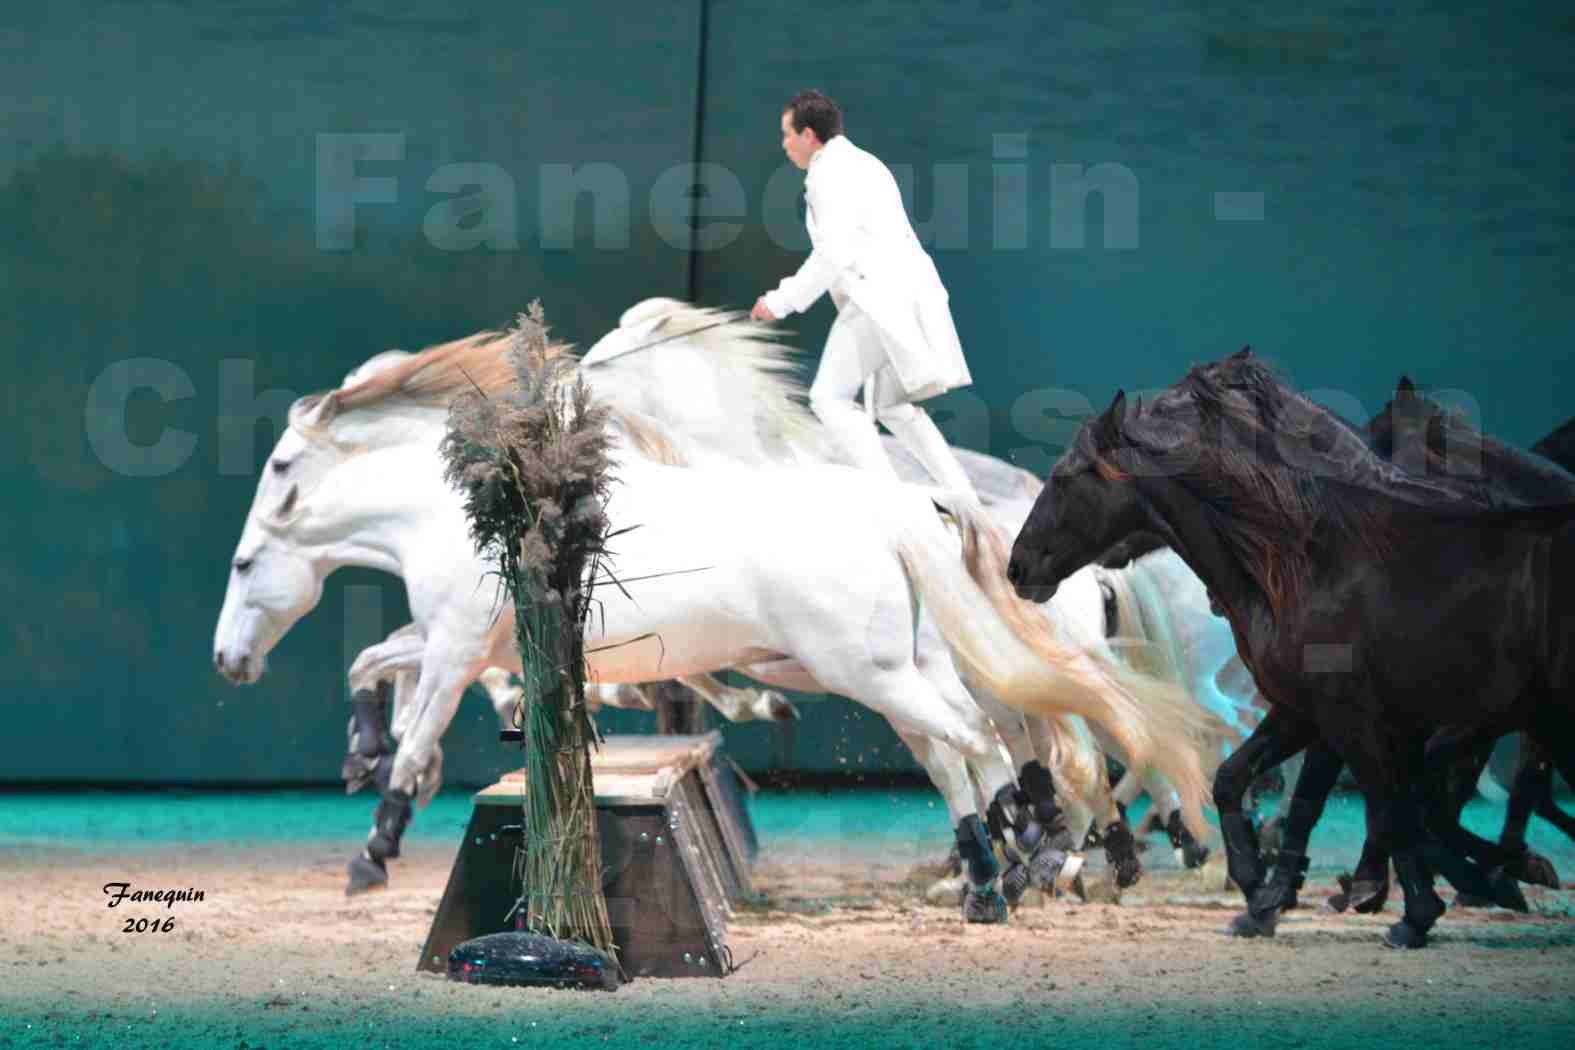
(1425, 436)
(274, 578)
(1088, 505)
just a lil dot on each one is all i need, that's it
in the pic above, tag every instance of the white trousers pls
(855, 352)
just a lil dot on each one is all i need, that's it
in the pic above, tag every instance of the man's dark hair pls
(816, 110)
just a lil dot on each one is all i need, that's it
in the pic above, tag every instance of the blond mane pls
(768, 371)
(436, 375)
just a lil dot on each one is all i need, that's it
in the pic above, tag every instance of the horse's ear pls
(1242, 354)
(1107, 428)
(315, 410)
(1405, 386)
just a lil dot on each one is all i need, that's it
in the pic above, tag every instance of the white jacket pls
(865, 251)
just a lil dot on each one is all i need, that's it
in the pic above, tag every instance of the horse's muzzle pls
(1018, 575)
(238, 669)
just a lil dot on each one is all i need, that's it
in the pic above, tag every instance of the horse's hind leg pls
(1455, 758)
(1045, 834)
(905, 698)
(982, 901)
(1560, 750)
(1166, 815)
(1531, 792)
(1388, 779)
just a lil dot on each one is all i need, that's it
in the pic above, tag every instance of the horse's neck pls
(1183, 520)
(381, 507)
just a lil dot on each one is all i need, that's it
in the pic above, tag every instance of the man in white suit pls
(893, 336)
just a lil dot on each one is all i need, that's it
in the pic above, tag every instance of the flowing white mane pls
(718, 365)
(746, 376)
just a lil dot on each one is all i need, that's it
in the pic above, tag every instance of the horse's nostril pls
(1012, 571)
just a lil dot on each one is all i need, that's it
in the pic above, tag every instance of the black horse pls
(1422, 435)
(1371, 605)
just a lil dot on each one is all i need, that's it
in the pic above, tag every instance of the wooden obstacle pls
(677, 846)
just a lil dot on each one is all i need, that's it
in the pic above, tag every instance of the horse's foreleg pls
(399, 652)
(367, 734)
(1277, 737)
(445, 672)
(375, 679)
(1320, 770)
(425, 710)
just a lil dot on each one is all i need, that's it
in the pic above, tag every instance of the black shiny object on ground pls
(532, 960)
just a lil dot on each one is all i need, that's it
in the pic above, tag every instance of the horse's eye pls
(243, 565)
(280, 466)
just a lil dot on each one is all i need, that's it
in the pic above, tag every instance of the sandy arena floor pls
(840, 953)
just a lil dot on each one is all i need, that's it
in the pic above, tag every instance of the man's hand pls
(761, 312)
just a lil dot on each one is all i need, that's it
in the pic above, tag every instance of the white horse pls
(383, 676)
(811, 600)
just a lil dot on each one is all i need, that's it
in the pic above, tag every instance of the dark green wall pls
(1401, 203)
(1413, 161)
(159, 200)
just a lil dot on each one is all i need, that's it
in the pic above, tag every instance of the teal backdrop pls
(208, 210)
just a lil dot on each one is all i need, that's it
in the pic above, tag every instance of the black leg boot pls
(369, 869)
(1242, 861)
(1422, 905)
(1192, 852)
(982, 902)
(1045, 840)
(1008, 812)
(368, 737)
(1366, 891)
(1276, 896)
(1121, 852)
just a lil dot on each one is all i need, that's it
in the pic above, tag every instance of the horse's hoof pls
(1128, 873)
(1194, 855)
(1044, 867)
(1506, 891)
(948, 890)
(1536, 869)
(365, 874)
(1368, 898)
(1249, 925)
(1079, 888)
(1015, 883)
(1403, 935)
(780, 709)
(1121, 854)
(984, 907)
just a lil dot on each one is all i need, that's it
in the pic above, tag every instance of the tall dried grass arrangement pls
(533, 465)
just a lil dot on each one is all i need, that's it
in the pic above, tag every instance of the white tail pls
(1011, 648)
